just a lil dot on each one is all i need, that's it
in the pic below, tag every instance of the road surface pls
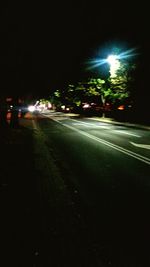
(109, 165)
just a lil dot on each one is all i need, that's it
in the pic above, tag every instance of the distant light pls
(31, 108)
(86, 106)
(49, 105)
(121, 107)
(63, 107)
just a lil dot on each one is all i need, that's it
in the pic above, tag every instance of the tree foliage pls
(114, 89)
(120, 86)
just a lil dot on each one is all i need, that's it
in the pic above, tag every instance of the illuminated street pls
(108, 165)
(74, 134)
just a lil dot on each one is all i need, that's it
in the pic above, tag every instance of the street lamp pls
(112, 60)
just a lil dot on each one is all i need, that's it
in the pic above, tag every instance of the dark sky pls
(45, 46)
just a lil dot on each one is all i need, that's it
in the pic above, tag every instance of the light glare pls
(31, 108)
(98, 62)
(114, 65)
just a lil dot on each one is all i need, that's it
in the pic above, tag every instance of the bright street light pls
(113, 60)
(114, 65)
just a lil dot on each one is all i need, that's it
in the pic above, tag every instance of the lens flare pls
(94, 63)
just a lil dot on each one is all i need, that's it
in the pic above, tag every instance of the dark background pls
(43, 46)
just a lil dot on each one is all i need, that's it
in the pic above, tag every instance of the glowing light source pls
(112, 59)
(94, 63)
(86, 105)
(121, 107)
(31, 108)
(114, 65)
(63, 107)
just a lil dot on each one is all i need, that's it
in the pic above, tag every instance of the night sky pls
(45, 46)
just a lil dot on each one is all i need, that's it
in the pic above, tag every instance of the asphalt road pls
(109, 165)
(77, 195)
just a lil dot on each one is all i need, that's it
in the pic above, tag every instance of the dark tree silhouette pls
(14, 121)
(3, 112)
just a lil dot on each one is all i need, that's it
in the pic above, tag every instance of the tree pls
(14, 121)
(121, 84)
(99, 87)
(3, 112)
(55, 99)
(117, 88)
